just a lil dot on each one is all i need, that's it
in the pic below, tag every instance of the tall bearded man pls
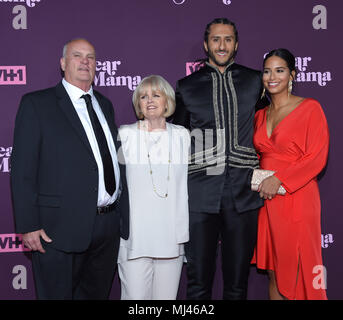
(217, 104)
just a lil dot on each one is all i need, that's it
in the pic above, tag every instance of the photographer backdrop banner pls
(136, 38)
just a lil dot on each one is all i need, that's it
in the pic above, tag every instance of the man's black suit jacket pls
(54, 175)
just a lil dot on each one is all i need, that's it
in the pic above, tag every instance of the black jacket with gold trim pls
(218, 109)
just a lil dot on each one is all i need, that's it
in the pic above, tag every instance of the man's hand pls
(269, 187)
(32, 240)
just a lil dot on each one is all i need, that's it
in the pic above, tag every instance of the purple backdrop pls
(135, 38)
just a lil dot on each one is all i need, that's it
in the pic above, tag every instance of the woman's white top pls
(158, 226)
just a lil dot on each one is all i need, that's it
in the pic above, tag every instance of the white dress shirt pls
(79, 104)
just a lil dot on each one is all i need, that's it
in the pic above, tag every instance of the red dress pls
(289, 232)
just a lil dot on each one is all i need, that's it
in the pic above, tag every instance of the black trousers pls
(237, 233)
(83, 275)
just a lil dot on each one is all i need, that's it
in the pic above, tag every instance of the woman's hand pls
(269, 187)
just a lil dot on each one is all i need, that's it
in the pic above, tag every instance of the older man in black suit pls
(69, 191)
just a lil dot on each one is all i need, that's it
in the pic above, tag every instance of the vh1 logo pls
(12, 242)
(10, 75)
(192, 67)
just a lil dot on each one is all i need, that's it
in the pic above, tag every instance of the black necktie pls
(110, 183)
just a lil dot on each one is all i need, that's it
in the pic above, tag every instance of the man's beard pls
(218, 63)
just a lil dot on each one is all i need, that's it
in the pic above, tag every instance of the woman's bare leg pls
(274, 293)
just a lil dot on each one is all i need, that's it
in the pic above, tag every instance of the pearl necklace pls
(146, 132)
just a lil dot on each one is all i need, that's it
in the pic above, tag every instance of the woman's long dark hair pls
(283, 54)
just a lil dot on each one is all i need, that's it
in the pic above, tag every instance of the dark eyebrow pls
(275, 68)
(218, 36)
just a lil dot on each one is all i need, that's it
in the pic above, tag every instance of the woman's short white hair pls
(157, 83)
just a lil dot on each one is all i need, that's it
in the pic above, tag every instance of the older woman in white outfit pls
(156, 156)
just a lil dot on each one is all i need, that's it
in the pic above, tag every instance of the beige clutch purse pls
(259, 175)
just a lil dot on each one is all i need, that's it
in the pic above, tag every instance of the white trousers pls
(150, 278)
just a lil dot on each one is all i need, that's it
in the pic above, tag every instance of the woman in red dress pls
(292, 139)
